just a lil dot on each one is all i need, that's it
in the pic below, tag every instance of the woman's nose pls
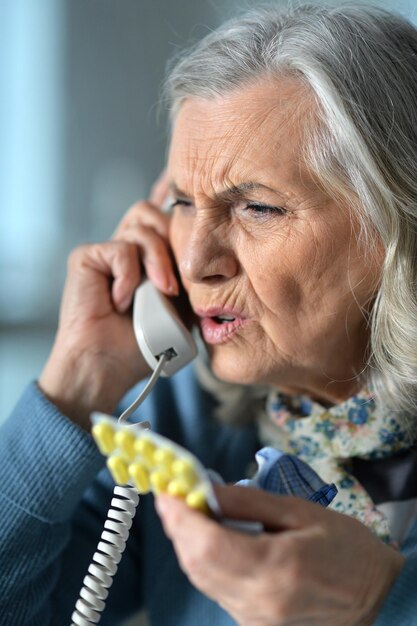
(206, 255)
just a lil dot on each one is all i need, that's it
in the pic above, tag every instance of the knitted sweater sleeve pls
(53, 502)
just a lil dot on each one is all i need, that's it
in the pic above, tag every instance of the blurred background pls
(81, 140)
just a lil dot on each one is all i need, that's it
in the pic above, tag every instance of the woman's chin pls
(236, 371)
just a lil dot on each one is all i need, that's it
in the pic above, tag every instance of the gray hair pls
(360, 64)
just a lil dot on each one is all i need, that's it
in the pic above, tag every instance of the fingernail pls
(125, 304)
(161, 280)
(173, 287)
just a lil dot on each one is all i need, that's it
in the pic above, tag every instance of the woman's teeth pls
(222, 319)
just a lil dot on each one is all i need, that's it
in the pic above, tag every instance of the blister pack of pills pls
(150, 462)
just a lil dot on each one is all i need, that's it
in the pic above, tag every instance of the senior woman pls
(293, 228)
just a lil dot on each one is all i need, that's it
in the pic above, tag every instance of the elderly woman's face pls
(271, 264)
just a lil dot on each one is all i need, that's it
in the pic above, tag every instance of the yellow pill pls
(145, 447)
(125, 441)
(164, 457)
(186, 485)
(159, 480)
(185, 469)
(103, 434)
(140, 477)
(197, 500)
(118, 469)
(178, 488)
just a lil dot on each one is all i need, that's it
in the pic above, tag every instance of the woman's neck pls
(334, 392)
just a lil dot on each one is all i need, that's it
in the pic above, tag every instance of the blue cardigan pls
(54, 496)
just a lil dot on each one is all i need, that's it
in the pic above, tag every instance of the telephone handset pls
(159, 330)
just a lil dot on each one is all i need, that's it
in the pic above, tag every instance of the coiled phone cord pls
(106, 559)
(96, 584)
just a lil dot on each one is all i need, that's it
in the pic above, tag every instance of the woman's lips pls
(214, 330)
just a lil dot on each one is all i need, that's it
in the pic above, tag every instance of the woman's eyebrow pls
(230, 193)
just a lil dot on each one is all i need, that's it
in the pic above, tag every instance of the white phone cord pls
(106, 559)
(113, 539)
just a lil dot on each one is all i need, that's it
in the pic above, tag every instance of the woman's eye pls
(179, 202)
(264, 209)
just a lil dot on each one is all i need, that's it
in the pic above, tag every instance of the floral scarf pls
(327, 439)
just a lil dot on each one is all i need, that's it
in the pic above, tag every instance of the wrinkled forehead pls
(249, 133)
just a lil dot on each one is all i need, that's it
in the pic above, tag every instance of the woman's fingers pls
(143, 213)
(275, 512)
(101, 276)
(202, 542)
(226, 565)
(212, 554)
(148, 228)
(153, 253)
(94, 330)
(95, 358)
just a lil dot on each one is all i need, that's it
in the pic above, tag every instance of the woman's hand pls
(147, 227)
(95, 358)
(312, 567)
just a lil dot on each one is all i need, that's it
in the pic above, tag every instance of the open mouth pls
(220, 328)
(223, 319)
